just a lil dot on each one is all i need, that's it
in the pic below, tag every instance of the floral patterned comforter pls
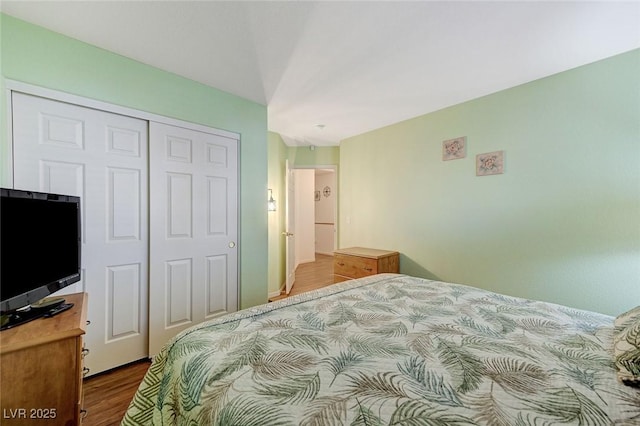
(390, 349)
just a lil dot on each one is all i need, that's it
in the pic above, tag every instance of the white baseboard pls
(277, 293)
(306, 261)
(273, 294)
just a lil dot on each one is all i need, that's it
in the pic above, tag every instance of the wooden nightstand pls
(358, 262)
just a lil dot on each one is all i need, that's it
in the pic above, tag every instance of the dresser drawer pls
(353, 266)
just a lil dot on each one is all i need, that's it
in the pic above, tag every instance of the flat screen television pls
(40, 248)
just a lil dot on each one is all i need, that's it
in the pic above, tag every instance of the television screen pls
(39, 245)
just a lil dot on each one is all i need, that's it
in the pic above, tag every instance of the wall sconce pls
(271, 204)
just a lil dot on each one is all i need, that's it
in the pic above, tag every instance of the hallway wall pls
(325, 211)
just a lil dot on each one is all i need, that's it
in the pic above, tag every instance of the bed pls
(396, 349)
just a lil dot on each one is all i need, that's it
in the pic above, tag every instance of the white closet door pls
(102, 158)
(194, 229)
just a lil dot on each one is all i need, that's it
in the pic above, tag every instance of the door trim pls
(289, 236)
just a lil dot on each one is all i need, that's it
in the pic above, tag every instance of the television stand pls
(30, 313)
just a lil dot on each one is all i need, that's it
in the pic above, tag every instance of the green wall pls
(40, 57)
(562, 224)
(302, 156)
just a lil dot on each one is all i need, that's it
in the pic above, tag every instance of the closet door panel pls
(217, 194)
(124, 202)
(178, 290)
(216, 285)
(179, 206)
(124, 288)
(61, 177)
(101, 157)
(194, 229)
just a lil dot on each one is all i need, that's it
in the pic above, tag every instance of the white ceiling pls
(350, 66)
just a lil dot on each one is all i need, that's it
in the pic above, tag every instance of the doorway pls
(325, 211)
(315, 201)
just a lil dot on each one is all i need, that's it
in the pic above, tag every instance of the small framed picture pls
(491, 163)
(454, 149)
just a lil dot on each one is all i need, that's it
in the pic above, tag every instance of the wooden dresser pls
(358, 262)
(41, 368)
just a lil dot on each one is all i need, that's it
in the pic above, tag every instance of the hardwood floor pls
(107, 395)
(311, 276)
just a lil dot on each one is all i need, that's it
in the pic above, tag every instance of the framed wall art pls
(491, 163)
(454, 149)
